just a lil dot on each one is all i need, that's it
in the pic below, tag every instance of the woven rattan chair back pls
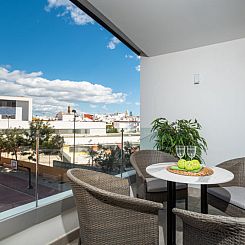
(106, 216)
(142, 159)
(204, 229)
(237, 167)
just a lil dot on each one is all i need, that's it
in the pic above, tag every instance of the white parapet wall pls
(95, 128)
(106, 139)
(12, 123)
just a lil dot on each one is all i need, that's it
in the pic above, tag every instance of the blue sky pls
(54, 53)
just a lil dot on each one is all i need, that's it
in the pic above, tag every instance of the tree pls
(14, 139)
(45, 133)
(109, 159)
(92, 154)
(56, 142)
(128, 150)
(48, 140)
(2, 144)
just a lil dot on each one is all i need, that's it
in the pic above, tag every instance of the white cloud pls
(129, 56)
(135, 56)
(54, 95)
(68, 8)
(113, 43)
(137, 103)
(93, 106)
(137, 68)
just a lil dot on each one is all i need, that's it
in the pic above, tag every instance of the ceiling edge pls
(90, 10)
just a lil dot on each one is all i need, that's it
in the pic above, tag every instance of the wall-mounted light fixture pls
(196, 78)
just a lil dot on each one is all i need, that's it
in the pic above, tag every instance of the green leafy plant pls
(14, 139)
(49, 141)
(2, 144)
(181, 132)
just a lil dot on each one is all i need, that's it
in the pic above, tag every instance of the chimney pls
(69, 110)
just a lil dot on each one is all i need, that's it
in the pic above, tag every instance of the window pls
(71, 131)
(7, 103)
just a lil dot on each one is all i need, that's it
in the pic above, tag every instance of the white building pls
(15, 112)
(64, 125)
(82, 129)
(128, 126)
(68, 115)
(65, 116)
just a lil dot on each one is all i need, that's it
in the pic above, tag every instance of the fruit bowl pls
(202, 171)
(190, 168)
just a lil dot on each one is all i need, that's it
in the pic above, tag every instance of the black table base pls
(171, 220)
(204, 199)
(171, 203)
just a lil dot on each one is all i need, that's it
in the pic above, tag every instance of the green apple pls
(188, 165)
(181, 163)
(196, 164)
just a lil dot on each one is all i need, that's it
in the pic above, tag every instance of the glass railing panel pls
(17, 182)
(101, 152)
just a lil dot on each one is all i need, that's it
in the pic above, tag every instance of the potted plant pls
(168, 135)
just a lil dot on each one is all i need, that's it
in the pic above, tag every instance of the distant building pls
(68, 116)
(128, 126)
(82, 129)
(15, 112)
(62, 116)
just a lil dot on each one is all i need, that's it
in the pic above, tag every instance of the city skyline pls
(99, 74)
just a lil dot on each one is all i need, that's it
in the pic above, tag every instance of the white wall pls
(55, 217)
(80, 125)
(127, 125)
(218, 102)
(107, 139)
(23, 106)
(18, 115)
(13, 124)
(47, 231)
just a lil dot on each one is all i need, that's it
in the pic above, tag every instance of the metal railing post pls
(122, 152)
(37, 162)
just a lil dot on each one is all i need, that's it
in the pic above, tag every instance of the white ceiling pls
(163, 26)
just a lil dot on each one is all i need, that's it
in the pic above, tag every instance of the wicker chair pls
(230, 197)
(151, 188)
(205, 229)
(107, 215)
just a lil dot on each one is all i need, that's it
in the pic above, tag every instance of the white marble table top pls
(159, 170)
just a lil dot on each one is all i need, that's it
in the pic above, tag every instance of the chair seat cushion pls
(158, 185)
(232, 194)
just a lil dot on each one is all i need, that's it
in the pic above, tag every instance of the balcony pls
(191, 66)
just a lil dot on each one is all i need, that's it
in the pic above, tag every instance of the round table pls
(159, 170)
